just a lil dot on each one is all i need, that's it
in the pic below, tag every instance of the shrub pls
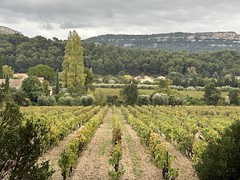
(66, 101)
(46, 100)
(87, 100)
(112, 99)
(160, 99)
(143, 100)
(220, 160)
(174, 100)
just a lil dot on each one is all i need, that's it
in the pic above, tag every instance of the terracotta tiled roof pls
(14, 83)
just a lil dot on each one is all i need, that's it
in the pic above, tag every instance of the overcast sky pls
(55, 18)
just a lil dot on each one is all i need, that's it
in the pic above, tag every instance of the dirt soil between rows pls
(93, 164)
(53, 155)
(94, 161)
(136, 160)
(180, 162)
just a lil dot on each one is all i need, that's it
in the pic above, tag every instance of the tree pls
(7, 84)
(220, 160)
(89, 78)
(143, 100)
(164, 86)
(160, 99)
(42, 71)
(19, 160)
(234, 96)
(1, 67)
(57, 86)
(7, 71)
(33, 87)
(130, 93)
(20, 97)
(87, 100)
(73, 77)
(211, 94)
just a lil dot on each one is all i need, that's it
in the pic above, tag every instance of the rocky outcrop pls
(6, 30)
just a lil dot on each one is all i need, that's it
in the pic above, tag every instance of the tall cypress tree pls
(7, 84)
(57, 88)
(1, 67)
(73, 76)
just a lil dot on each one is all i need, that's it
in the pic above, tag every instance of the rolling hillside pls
(195, 42)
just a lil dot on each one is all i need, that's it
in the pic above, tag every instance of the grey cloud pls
(145, 16)
(70, 25)
(47, 26)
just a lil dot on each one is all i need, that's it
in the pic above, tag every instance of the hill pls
(6, 30)
(195, 42)
(185, 68)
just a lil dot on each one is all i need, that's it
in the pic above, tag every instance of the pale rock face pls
(6, 30)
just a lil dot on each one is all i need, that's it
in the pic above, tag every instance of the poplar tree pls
(73, 76)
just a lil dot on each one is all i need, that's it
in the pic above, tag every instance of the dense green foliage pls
(19, 97)
(7, 71)
(130, 93)
(87, 100)
(89, 78)
(143, 100)
(42, 71)
(6, 85)
(234, 96)
(21, 52)
(46, 100)
(21, 143)
(160, 99)
(220, 160)
(33, 88)
(211, 94)
(57, 84)
(66, 100)
(106, 59)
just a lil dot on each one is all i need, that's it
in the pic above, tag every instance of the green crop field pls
(173, 134)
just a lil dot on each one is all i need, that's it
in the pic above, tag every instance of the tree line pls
(21, 53)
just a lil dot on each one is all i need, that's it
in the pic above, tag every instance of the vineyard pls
(141, 142)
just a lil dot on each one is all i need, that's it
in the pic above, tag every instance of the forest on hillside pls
(179, 41)
(21, 52)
